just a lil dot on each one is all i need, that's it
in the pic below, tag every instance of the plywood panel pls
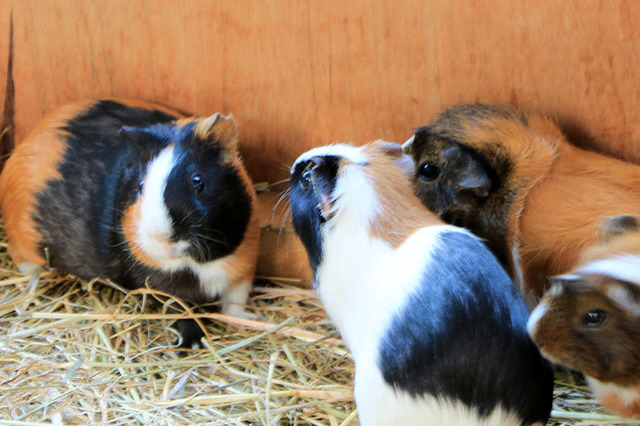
(298, 74)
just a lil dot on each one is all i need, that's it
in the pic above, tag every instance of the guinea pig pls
(436, 328)
(133, 192)
(514, 180)
(588, 319)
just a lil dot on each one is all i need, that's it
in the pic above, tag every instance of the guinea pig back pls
(133, 192)
(514, 180)
(436, 327)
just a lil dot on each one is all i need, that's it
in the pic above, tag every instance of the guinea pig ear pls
(611, 227)
(626, 295)
(465, 170)
(219, 129)
(388, 148)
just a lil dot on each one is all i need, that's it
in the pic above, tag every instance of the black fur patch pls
(305, 212)
(462, 334)
(485, 211)
(78, 216)
(215, 215)
(108, 148)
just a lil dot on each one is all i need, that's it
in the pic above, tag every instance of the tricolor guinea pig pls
(435, 325)
(132, 192)
(514, 180)
(590, 318)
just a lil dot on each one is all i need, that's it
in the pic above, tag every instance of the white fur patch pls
(627, 395)
(539, 312)
(346, 151)
(621, 295)
(380, 404)
(154, 230)
(624, 268)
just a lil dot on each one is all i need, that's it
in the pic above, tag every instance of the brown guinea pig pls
(514, 180)
(588, 320)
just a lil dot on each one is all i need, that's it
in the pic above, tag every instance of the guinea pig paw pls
(239, 311)
(27, 268)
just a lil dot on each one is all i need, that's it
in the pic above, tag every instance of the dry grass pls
(87, 353)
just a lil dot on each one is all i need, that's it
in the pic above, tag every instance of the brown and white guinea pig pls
(589, 320)
(132, 192)
(435, 325)
(514, 180)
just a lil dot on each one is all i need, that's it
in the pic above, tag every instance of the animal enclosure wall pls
(296, 74)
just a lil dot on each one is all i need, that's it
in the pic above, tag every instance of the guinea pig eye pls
(140, 186)
(197, 183)
(306, 179)
(595, 318)
(428, 171)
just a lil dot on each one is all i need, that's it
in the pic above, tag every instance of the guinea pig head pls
(474, 166)
(195, 198)
(341, 191)
(590, 324)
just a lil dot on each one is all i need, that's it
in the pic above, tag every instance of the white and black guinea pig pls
(133, 192)
(436, 327)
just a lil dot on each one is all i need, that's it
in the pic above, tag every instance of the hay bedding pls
(73, 352)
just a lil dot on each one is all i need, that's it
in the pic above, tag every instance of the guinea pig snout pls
(164, 247)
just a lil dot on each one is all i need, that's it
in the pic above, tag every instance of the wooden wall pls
(302, 73)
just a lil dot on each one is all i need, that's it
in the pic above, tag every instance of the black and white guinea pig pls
(436, 327)
(131, 191)
(589, 319)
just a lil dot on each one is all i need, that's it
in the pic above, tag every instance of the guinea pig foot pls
(239, 311)
(191, 334)
(27, 268)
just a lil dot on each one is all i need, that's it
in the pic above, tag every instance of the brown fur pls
(551, 196)
(241, 265)
(608, 353)
(402, 212)
(221, 129)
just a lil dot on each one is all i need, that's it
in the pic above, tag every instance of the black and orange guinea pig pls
(436, 327)
(589, 320)
(513, 179)
(133, 192)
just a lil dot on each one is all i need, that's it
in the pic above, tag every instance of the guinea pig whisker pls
(187, 216)
(283, 195)
(207, 238)
(280, 182)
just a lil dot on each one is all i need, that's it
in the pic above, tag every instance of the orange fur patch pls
(562, 215)
(402, 212)
(220, 129)
(33, 163)
(241, 265)
(130, 225)
(612, 401)
(562, 192)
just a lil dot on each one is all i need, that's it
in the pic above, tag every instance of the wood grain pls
(297, 74)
